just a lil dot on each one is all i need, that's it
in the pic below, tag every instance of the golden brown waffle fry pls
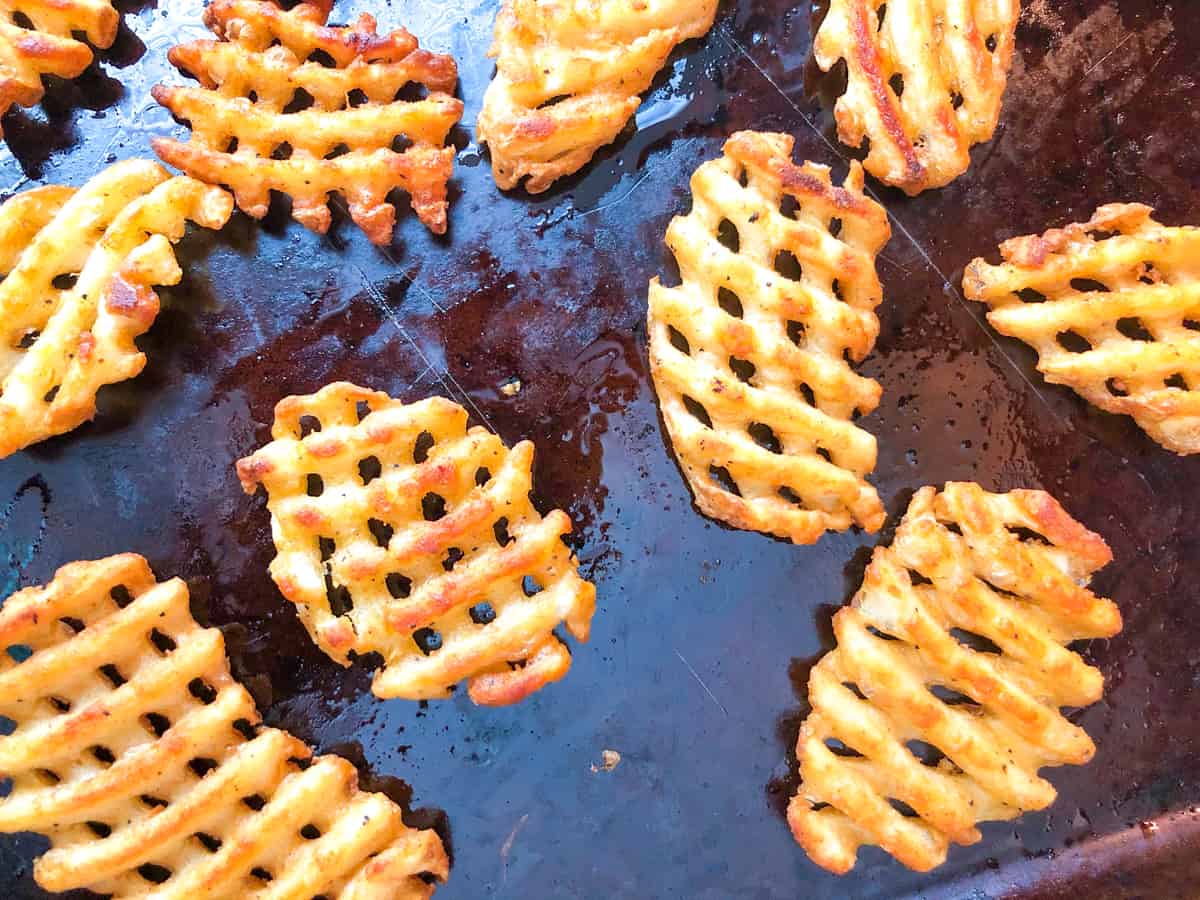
(1112, 307)
(749, 354)
(289, 104)
(942, 700)
(79, 267)
(143, 761)
(924, 82)
(569, 76)
(400, 532)
(48, 47)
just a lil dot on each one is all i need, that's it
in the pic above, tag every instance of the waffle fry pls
(79, 267)
(400, 532)
(749, 355)
(289, 104)
(1112, 307)
(143, 761)
(942, 700)
(924, 82)
(48, 47)
(569, 76)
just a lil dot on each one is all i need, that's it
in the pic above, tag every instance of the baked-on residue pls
(751, 354)
(943, 697)
(146, 764)
(399, 531)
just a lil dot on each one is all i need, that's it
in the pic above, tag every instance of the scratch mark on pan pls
(336, 200)
(387, 253)
(700, 681)
(976, 317)
(645, 174)
(444, 376)
(896, 263)
(1097, 63)
(506, 847)
(421, 377)
(16, 186)
(950, 286)
(1158, 62)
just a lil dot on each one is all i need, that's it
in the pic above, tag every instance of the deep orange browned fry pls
(270, 115)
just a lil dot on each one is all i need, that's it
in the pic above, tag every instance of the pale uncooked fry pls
(750, 353)
(965, 565)
(569, 75)
(80, 267)
(269, 115)
(49, 47)
(146, 765)
(398, 531)
(924, 81)
(1112, 307)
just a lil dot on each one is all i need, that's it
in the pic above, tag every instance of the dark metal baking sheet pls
(700, 649)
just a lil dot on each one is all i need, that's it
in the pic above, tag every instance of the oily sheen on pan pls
(944, 696)
(750, 353)
(146, 764)
(401, 532)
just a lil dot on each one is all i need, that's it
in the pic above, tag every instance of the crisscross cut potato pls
(143, 761)
(943, 697)
(289, 104)
(1112, 307)
(79, 267)
(400, 532)
(569, 75)
(49, 47)
(924, 81)
(749, 354)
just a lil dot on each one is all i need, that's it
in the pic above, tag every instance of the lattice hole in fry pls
(1112, 307)
(750, 354)
(923, 82)
(954, 669)
(427, 562)
(163, 781)
(569, 77)
(287, 103)
(63, 338)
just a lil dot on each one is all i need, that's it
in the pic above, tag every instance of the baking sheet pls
(704, 635)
